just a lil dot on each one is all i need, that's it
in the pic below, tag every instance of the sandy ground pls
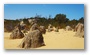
(53, 40)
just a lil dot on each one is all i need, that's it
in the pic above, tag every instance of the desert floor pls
(53, 40)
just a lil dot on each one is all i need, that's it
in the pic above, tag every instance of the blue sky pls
(17, 11)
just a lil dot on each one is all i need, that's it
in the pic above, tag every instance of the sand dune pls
(53, 40)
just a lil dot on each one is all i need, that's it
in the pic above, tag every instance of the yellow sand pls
(53, 40)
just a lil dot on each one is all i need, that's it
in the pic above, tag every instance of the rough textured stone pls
(16, 33)
(79, 30)
(33, 39)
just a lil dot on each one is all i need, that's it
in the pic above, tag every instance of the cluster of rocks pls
(34, 38)
(51, 28)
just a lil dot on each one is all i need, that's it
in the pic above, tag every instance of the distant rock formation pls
(68, 28)
(56, 29)
(50, 28)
